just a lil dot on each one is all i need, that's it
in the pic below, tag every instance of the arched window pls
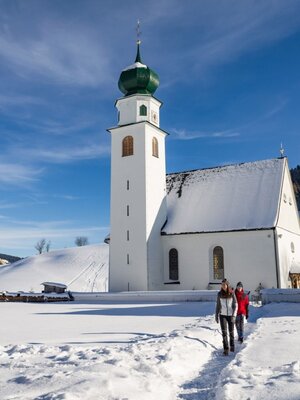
(155, 147)
(127, 146)
(143, 110)
(218, 263)
(173, 265)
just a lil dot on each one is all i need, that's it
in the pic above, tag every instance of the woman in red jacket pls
(242, 312)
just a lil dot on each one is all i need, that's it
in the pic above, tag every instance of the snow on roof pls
(60, 285)
(234, 197)
(135, 65)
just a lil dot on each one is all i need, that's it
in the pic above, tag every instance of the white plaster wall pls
(286, 255)
(287, 230)
(288, 217)
(249, 256)
(156, 207)
(132, 276)
(146, 200)
(129, 109)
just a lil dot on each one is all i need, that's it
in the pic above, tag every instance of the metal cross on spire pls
(138, 32)
(281, 150)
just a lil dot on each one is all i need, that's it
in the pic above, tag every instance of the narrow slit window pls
(127, 185)
(128, 236)
(127, 258)
(173, 265)
(127, 210)
(127, 146)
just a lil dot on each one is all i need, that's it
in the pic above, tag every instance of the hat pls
(239, 284)
(226, 281)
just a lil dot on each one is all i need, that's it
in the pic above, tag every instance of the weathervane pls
(138, 32)
(281, 150)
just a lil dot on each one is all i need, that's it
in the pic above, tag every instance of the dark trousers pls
(227, 325)
(239, 323)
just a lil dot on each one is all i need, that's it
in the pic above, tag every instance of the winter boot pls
(225, 352)
(232, 348)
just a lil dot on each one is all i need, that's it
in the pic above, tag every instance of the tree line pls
(295, 174)
(42, 246)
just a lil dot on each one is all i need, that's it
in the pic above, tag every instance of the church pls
(190, 230)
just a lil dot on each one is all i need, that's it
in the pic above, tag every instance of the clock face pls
(154, 117)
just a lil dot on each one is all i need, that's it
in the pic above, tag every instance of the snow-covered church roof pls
(234, 197)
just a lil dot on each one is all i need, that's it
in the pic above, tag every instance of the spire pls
(138, 42)
(138, 78)
(138, 56)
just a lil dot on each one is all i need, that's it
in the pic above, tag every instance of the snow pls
(134, 346)
(80, 268)
(234, 197)
(59, 285)
(135, 65)
(150, 351)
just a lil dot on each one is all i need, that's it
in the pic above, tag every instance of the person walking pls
(242, 311)
(226, 308)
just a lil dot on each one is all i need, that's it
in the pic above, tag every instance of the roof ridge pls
(224, 166)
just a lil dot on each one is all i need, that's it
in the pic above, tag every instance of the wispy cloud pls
(65, 153)
(57, 53)
(182, 134)
(18, 175)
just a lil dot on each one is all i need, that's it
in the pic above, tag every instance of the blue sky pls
(229, 81)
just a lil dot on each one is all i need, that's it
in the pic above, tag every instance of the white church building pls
(191, 229)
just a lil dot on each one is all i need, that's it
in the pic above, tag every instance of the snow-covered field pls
(134, 351)
(145, 351)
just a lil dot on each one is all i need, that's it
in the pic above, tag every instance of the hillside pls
(81, 269)
(9, 258)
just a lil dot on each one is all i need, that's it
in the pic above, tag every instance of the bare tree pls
(40, 246)
(81, 241)
(48, 246)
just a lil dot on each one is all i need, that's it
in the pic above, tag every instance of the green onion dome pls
(138, 78)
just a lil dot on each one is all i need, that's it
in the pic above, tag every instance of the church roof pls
(234, 197)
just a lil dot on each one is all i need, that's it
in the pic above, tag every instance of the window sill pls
(172, 283)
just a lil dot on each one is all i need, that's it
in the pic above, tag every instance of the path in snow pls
(204, 385)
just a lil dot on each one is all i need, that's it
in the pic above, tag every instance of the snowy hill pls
(81, 269)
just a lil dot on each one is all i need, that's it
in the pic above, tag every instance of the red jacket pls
(243, 302)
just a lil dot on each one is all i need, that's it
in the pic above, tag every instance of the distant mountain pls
(11, 259)
(82, 269)
(295, 174)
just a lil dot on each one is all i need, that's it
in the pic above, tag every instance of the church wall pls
(138, 182)
(126, 275)
(288, 217)
(249, 256)
(287, 230)
(288, 245)
(156, 206)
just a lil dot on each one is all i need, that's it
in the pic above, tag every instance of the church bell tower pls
(138, 183)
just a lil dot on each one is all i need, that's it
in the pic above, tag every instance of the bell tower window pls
(127, 146)
(154, 147)
(143, 110)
